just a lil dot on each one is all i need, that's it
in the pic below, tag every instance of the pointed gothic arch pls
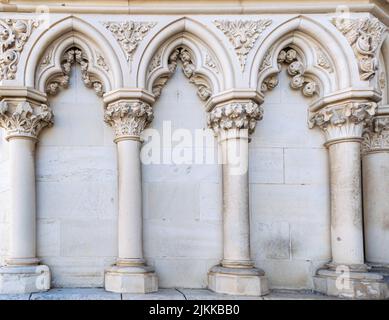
(47, 54)
(209, 69)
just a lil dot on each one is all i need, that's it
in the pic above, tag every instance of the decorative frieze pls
(70, 57)
(376, 135)
(128, 119)
(24, 119)
(183, 55)
(365, 36)
(129, 34)
(235, 115)
(345, 120)
(242, 34)
(14, 34)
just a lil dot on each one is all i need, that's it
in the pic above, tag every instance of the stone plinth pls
(24, 279)
(131, 280)
(238, 281)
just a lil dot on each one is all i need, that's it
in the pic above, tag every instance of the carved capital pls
(24, 119)
(365, 36)
(235, 115)
(14, 34)
(128, 118)
(242, 34)
(376, 135)
(344, 121)
(129, 34)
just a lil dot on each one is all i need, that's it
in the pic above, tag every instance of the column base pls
(238, 281)
(352, 285)
(24, 279)
(135, 279)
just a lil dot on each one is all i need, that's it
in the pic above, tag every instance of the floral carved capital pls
(345, 120)
(236, 115)
(242, 34)
(365, 36)
(128, 119)
(24, 119)
(14, 34)
(129, 34)
(376, 135)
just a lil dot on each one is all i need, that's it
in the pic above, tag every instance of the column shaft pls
(376, 206)
(130, 202)
(346, 203)
(23, 207)
(236, 225)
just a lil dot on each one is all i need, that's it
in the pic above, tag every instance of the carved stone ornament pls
(14, 34)
(183, 55)
(70, 57)
(376, 135)
(296, 70)
(129, 34)
(236, 115)
(365, 36)
(128, 119)
(345, 120)
(24, 119)
(242, 34)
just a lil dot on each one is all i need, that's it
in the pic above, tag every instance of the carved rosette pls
(70, 57)
(242, 34)
(295, 69)
(345, 121)
(14, 34)
(365, 36)
(129, 34)
(235, 115)
(24, 120)
(183, 55)
(376, 135)
(128, 119)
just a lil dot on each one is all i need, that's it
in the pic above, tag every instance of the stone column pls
(346, 275)
(23, 121)
(130, 273)
(233, 122)
(375, 168)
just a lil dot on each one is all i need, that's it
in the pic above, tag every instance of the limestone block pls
(266, 165)
(197, 239)
(292, 203)
(82, 200)
(210, 201)
(299, 275)
(48, 237)
(76, 164)
(78, 272)
(88, 238)
(168, 200)
(271, 241)
(306, 166)
(183, 272)
(24, 279)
